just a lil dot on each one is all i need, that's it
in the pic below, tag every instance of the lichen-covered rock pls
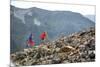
(66, 49)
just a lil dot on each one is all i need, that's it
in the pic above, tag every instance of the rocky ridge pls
(77, 47)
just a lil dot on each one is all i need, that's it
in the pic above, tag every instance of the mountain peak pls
(54, 22)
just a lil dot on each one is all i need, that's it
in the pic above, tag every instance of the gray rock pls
(92, 55)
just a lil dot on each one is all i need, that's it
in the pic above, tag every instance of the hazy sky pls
(83, 9)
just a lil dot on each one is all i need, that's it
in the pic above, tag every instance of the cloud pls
(83, 9)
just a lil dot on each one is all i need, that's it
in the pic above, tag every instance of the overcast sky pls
(83, 9)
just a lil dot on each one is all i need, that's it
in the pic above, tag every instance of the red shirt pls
(43, 35)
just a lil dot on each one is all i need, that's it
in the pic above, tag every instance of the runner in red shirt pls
(43, 36)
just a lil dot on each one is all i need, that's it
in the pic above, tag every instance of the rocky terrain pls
(77, 47)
